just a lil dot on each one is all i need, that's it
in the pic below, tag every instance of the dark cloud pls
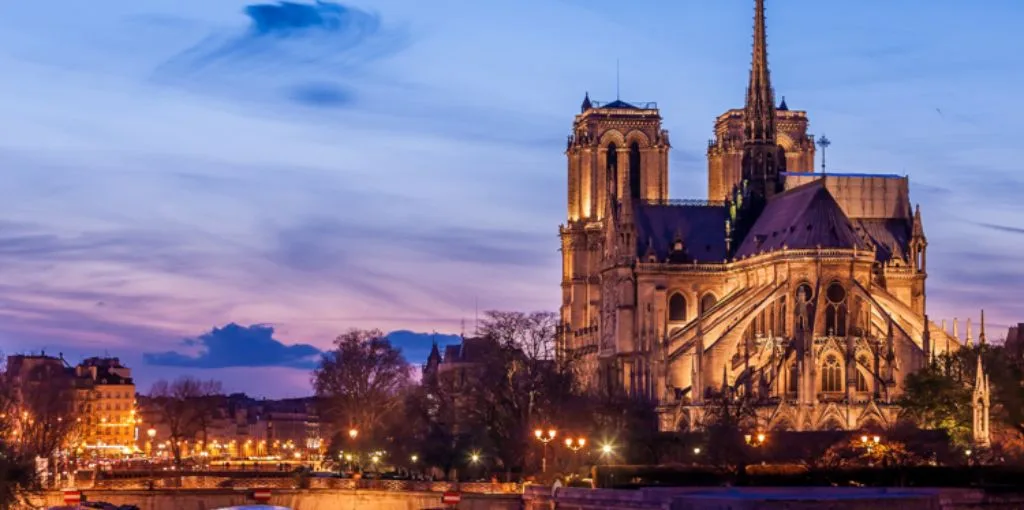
(1002, 228)
(416, 346)
(286, 41)
(237, 346)
(320, 95)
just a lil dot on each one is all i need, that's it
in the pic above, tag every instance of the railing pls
(692, 202)
(645, 105)
(292, 481)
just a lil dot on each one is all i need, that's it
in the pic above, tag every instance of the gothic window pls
(794, 377)
(835, 310)
(831, 375)
(611, 164)
(634, 170)
(707, 302)
(677, 308)
(862, 382)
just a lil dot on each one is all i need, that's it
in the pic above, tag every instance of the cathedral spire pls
(763, 160)
(760, 105)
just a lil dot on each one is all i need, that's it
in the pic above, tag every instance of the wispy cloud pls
(236, 346)
(300, 50)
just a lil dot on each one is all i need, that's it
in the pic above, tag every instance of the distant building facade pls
(98, 393)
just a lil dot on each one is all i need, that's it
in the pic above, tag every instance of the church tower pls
(617, 157)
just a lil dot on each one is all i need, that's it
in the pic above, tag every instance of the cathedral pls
(805, 290)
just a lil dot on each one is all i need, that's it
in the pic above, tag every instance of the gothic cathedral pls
(802, 289)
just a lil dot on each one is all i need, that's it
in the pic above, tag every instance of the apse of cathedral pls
(802, 290)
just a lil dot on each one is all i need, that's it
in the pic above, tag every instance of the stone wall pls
(700, 498)
(294, 499)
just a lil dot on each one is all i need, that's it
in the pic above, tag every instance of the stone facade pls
(805, 290)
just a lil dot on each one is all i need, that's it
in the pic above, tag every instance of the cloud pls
(323, 95)
(1002, 228)
(237, 346)
(288, 46)
(416, 346)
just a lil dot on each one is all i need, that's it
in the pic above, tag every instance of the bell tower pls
(617, 156)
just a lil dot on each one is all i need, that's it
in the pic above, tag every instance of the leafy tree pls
(361, 382)
(936, 397)
(184, 406)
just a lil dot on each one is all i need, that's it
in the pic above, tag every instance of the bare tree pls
(521, 384)
(183, 406)
(360, 381)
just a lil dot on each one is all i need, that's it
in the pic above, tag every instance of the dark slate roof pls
(889, 236)
(471, 350)
(702, 228)
(804, 217)
(618, 103)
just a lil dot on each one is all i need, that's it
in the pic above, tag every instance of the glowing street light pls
(545, 439)
(756, 440)
(575, 444)
(353, 433)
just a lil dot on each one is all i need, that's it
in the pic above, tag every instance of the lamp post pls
(353, 433)
(544, 439)
(756, 440)
(575, 445)
(151, 433)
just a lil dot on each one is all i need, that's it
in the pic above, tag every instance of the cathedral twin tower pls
(804, 291)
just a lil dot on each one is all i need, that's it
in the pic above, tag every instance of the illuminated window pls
(677, 308)
(831, 375)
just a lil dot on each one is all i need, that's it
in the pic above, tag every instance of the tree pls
(183, 406)
(40, 411)
(728, 417)
(937, 397)
(522, 384)
(360, 382)
(17, 469)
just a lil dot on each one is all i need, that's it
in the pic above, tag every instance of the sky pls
(206, 187)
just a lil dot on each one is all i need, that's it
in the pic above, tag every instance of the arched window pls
(611, 164)
(862, 382)
(677, 308)
(707, 302)
(634, 170)
(831, 375)
(794, 377)
(835, 310)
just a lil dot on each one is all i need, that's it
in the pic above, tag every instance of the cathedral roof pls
(891, 237)
(803, 217)
(701, 228)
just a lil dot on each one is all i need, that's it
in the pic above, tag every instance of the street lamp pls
(545, 439)
(755, 440)
(575, 444)
(353, 433)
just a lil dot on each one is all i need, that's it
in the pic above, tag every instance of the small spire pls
(918, 229)
(956, 330)
(969, 340)
(586, 102)
(981, 335)
(782, 106)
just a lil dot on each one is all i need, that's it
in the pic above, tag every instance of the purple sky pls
(173, 167)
